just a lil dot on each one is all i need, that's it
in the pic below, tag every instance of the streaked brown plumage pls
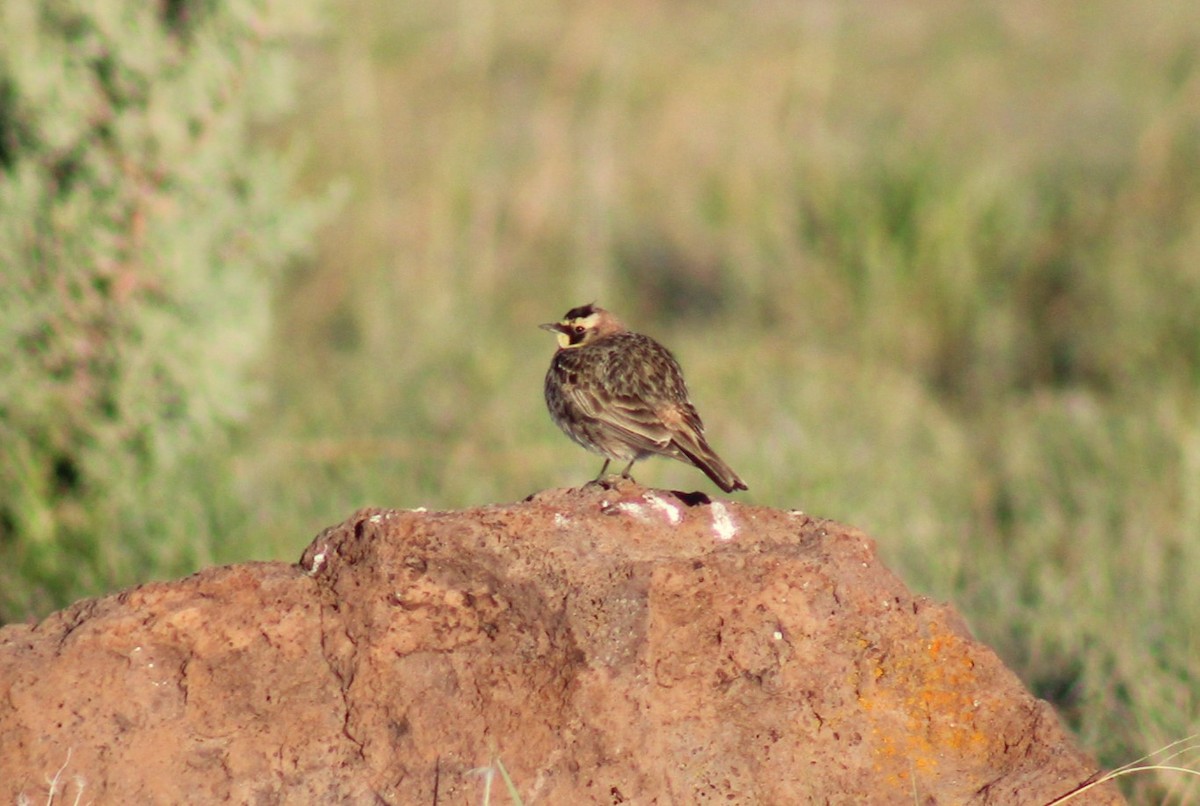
(622, 395)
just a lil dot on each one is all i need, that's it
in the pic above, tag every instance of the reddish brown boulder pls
(603, 646)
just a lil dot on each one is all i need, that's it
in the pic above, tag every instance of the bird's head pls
(583, 325)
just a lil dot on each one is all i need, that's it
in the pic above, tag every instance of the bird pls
(621, 394)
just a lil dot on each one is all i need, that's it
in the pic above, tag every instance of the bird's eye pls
(579, 328)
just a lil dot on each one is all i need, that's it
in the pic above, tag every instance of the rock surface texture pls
(609, 646)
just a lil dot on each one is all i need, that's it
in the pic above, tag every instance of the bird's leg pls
(628, 467)
(607, 481)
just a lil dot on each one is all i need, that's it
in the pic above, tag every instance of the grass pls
(1158, 761)
(930, 269)
(57, 785)
(488, 774)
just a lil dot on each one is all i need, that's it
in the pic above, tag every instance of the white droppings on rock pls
(561, 521)
(668, 509)
(636, 510)
(723, 525)
(318, 560)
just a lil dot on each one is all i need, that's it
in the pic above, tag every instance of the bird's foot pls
(610, 481)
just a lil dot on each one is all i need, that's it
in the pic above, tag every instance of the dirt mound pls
(601, 646)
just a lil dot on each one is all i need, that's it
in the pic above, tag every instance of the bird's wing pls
(629, 417)
(648, 403)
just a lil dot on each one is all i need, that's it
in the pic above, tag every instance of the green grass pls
(931, 270)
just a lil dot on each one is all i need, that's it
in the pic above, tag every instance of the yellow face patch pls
(577, 332)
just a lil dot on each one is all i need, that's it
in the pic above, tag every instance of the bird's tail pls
(705, 458)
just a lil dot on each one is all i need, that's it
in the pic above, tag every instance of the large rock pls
(598, 645)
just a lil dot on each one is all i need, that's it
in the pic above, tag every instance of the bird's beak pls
(561, 331)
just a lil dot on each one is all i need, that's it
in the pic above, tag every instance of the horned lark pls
(622, 395)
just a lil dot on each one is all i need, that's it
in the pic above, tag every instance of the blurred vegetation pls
(141, 242)
(932, 269)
